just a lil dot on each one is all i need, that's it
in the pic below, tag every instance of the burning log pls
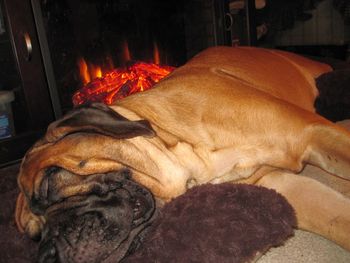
(121, 82)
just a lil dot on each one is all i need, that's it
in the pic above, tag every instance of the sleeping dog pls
(242, 115)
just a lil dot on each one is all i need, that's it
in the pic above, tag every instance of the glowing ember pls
(120, 83)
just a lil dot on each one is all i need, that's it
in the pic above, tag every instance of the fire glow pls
(120, 82)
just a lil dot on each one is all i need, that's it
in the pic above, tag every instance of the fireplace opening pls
(88, 39)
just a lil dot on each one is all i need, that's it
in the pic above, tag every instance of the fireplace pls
(43, 44)
(104, 35)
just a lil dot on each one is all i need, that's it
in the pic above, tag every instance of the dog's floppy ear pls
(97, 118)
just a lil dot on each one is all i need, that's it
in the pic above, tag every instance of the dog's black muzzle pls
(103, 226)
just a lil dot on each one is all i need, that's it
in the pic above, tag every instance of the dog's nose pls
(86, 238)
(101, 225)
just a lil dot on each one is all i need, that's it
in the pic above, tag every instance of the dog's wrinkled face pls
(90, 216)
(99, 226)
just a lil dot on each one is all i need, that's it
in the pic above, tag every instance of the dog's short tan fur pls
(228, 115)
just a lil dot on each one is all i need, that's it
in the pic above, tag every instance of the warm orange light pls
(88, 71)
(156, 56)
(84, 71)
(126, 51)
(110, 84)
(121, 82)
(95, 72)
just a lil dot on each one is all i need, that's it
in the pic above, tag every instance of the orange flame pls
(88, 71)
(84, 71)
(99, 86)
(126, 51)
(95, 71)
(121, 82)
(156, 56)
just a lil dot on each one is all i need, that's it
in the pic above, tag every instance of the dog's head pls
(102, 225)
(77, 188)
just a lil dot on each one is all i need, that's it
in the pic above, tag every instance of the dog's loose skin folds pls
(228, 115)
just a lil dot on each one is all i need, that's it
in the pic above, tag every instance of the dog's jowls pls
(104, 223)
(228, 115)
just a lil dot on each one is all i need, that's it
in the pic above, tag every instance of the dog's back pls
(282, 74)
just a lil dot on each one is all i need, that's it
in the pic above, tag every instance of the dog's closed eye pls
(45, 196)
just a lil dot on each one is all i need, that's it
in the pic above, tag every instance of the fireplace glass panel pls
(108, 34)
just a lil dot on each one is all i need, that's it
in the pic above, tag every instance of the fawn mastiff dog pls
(240, 115)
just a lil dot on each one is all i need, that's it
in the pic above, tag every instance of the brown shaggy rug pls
(218, 223)
(210, 223)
